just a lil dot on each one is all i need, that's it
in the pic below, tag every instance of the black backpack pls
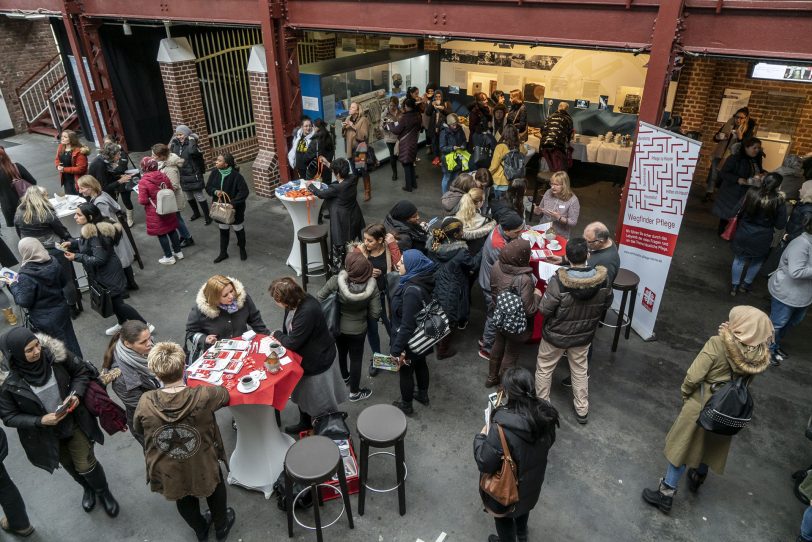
(513, 165)
(729, 409)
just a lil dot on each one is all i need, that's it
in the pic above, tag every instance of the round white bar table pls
(297, 209)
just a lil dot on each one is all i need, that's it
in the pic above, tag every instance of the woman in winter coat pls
(300, 153)
(403, 221)
(499, 112)
(728, 138)
(43, 376)
(461, 185)
(455, 265)
(36, 217)
(414, 289)
(475, 226)
(164, 227)
(509, 142)
(223, 309)
(184, 145)
(355, 130)
(346, 218)
(125, 366)
(512, 273)
(762, 213)
(795, 224)
(304, 330)
(437, 110)
(227, 183)
(382, 251)
(517, 114)
(169, 164)
(359, 302)
(740, 171)
(452, 138)
(90, 188)
(529, 424)
(407, 130)
(391, 115)
(792, 171)
(9, 199)
(176, 469)
(559, 206)
(742, 348)
(105, 168)
(94, 250)
(70, 161)
(480, 118)
(39, 289)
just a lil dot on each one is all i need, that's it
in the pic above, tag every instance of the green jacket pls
(359, 302)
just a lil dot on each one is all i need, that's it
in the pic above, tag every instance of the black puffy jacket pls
(39, 289)
(95, 250)
(191, 172)
(451, 278)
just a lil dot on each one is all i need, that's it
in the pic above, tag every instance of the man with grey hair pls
(602, 250)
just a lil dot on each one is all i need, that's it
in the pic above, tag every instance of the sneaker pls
(405, 407)
(481, 343)
(187, 242)
(110, 331)
(780, 352)
(776, 359)
(178, 255)
(167, 261)
(484, 354)
(346, 380)
(362, 394)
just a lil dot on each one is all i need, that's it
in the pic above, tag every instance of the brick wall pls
(186, 102)
(777, 105)
(26, 46)
(266, 165)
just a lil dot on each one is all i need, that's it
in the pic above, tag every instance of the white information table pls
(304, 211)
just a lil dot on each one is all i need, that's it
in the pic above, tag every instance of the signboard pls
(662, 170)
(733, 100)
(782, 72)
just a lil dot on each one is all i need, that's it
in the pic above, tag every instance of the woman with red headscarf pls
(162, 226)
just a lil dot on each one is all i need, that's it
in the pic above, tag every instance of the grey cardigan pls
(791, 284)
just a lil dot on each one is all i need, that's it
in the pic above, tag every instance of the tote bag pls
(222, 210)
(100, 299)
(502, 486)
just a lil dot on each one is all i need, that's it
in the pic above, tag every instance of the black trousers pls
(410, 182)
(125, 312)
(189, 509)
(12, 502)
(126, 197)
(418, 370)
(393, 159)
(354, 346)
(509, 529)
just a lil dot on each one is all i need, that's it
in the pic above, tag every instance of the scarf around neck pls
(135, 361)
(231, 308)
(225, 172)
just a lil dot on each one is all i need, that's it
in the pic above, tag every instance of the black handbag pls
(729, 409)
(332, 425)
(100, 299)
(432, 326)
(331, 308)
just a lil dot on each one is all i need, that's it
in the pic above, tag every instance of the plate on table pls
(243, 388)
(554, 246)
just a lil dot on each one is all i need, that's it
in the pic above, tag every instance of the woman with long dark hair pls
(226, 181)
(390, 115)
(528, 423)
(9, 199)
(762, 213)
(407, 130)
(513, 201)
(741, 171)
(70, 161)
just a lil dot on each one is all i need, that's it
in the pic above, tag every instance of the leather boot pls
(98, 481)
(493, 373)
(204, 206)
(224, 235)
(695, 480)
(662, 498)
(444, 349)
(241, 244)
(130, 221)
(89, 496)
(367, 188)
(131, 284)
(11, 318)
(195, 209)
(305, 423)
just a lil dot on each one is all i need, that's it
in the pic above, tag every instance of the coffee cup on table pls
(247, 381)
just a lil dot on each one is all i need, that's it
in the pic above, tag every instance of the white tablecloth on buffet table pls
(589, 149)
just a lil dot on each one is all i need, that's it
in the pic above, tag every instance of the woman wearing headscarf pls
(44, 377)
(125, 366)
(414, 289)
(359, 302)
(226, 182)
(403, 221)
(164, 227)
(346, 219)
(741, 348)
(39, 289)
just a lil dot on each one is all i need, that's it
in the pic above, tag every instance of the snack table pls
(304, 211)
(543, 271)
(259, 456)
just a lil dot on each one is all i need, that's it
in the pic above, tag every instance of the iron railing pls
(34, 99)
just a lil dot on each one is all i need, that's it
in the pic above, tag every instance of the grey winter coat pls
(358, 302)
(109, 209)
(791, 284)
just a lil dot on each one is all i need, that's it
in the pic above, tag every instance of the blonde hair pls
(564, 179)
(167, 361)
(34, 203)
(214, 289)
(469, 206)
(89, 181)
(806, 192)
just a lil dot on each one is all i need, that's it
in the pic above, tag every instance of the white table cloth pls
(298, 210)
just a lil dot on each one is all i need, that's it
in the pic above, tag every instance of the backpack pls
(165, 202)
(513, 165)
(729, 409)
(508, 316)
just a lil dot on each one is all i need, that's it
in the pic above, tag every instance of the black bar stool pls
(382, 426)
(312, 461)
(626, 281)
(317, 233)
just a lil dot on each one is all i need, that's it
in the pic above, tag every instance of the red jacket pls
(78, 161)
(148, 188)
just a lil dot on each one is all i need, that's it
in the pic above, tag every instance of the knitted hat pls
(183, 129)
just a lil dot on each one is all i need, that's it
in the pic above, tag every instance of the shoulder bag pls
(222, 210)
(100, 299)
(331, 308)
(732, 224)
(20, 185)
(502, 486)
(432, 326)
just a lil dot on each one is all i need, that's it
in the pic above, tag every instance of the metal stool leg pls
(289, 500)
(362, 480)
(345, 491)
(620, 315)
(325, 258)
(303, 257)
(314, 491)
(401, 474)
(631, 311)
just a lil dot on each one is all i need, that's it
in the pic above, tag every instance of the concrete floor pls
(595, 472)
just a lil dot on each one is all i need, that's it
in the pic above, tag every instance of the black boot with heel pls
(98, 481)
(224, 235)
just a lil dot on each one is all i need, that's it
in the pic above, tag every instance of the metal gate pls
(221, 59)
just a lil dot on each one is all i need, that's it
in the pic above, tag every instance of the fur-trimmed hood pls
(173, 161)
(582, 282)
(445, 251)
(106, 229)
(55, 346)
(481, 226)
(745, 359)
(213, 312)
(354, 292)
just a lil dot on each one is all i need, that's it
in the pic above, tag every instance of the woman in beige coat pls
(740, 348)
(355, 130)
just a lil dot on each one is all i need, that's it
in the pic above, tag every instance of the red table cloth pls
(538, 321)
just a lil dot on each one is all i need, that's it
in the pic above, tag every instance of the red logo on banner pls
(648, 299)
(649, 240)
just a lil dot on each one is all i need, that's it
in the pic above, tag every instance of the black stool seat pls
(625, 280)
(312, 234)
(382, 424)
(313, 459)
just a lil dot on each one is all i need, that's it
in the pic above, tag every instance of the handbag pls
(372, 160)
(332, 425)
(331, 308)
(360, 156)
(730, 229)
(20, 185)
(222, 210)
(502, 486)
(432, 326)
(100, 299)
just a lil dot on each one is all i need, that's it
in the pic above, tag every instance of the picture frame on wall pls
(603, 102)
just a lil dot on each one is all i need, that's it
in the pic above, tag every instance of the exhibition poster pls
(662, 170)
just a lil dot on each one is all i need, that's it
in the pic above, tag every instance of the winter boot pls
(695, 480)
(224, 235)
(241, 244)
(367, 188)
(305, 423)
(98, 481)
(405, 406)
(662, 497)
(195, 209)
(89, 496)
(421, 396)
(493, 373)
(129, 213)
(444, 349)
(204, 205)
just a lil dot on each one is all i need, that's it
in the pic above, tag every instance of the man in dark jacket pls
(576, 298)
(403, 221)
(555, 138)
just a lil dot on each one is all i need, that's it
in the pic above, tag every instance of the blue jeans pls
(373, 335)
(166, 239)
(673, 474)
(447, 176)
(753, 267)
(806, 524)
(182, 229)
(784, 317)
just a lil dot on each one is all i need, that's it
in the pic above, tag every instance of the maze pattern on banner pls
(655, 182)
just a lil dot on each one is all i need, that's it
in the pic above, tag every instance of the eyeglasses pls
(592, 242)
(740, 117)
